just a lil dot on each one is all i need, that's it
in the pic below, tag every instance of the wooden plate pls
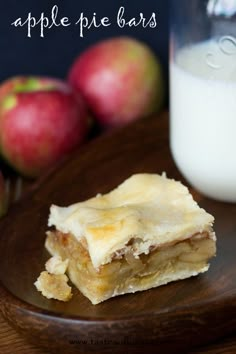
(179, 315)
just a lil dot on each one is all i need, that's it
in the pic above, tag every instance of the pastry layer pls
(145, 211)
(127, 274)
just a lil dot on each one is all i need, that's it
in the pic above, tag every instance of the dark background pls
(53, 54)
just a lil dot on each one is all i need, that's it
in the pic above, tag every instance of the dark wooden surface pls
(173, 318)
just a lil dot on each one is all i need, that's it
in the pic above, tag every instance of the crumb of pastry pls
(54, 286)
(55, 265)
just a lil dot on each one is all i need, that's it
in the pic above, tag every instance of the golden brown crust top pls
(148, 208)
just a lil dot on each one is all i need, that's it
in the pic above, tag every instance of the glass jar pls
(203, 94)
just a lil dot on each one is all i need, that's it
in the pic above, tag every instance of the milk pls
(203, 117)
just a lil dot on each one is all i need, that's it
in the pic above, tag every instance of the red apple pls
(3, 201)
(120, 80)
(41, 120)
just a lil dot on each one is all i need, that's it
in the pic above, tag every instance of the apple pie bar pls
(145, 233)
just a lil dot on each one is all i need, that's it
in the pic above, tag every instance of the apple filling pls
(127, 273)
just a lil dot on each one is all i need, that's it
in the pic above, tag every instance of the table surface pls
(12, 342)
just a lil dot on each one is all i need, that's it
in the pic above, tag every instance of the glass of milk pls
(203, 94)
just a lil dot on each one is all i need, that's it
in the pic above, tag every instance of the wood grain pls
(174, 317)
(11, 342)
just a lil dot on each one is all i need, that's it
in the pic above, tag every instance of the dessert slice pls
(145, 233)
